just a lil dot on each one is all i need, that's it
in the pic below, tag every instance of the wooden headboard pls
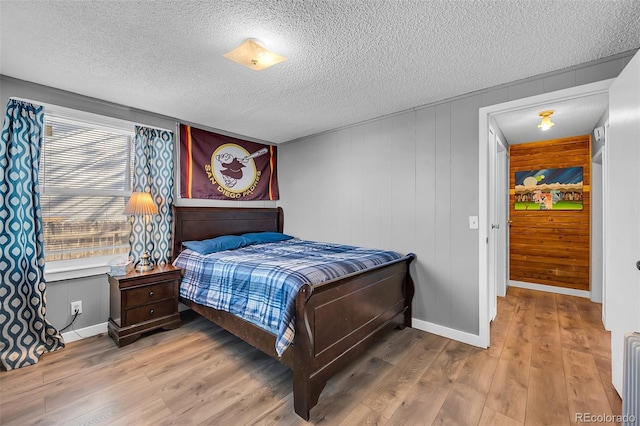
(200, 223)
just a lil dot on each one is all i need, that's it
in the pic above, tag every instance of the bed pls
(335, 321)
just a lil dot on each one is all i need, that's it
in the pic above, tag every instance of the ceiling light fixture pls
(252, 54)
(546, 122)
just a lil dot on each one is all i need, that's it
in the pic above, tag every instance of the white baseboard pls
(83, 333)
(447, 332)
(450, 333)
(550, 289)
(94, 330)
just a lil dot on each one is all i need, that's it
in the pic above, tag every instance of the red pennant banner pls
(219, 167)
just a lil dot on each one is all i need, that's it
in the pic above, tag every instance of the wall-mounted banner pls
(219, 167)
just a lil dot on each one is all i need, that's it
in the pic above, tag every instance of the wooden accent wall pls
(551, 247)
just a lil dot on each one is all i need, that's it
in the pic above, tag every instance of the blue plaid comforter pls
(259, 283)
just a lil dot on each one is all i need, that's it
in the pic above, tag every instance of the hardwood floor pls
(549, 359)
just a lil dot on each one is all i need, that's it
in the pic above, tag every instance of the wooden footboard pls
(338, 320)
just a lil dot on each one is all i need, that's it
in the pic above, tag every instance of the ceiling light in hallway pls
(546, 122)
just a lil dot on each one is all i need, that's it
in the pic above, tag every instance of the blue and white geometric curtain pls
(153, 172)
(25, 334)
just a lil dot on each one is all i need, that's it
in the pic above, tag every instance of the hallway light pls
(546, 122)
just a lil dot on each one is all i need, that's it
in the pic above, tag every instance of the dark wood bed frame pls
(336, 321)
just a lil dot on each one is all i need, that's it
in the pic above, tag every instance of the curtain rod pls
(46, 105)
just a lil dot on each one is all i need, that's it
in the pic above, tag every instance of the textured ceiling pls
(578, 116)
(348, 61)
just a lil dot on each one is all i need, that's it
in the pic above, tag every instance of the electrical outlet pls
(76, 307)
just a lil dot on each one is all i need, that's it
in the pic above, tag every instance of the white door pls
(623, 213)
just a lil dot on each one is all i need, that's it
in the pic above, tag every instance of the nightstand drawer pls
(148, 294)
(149, 312)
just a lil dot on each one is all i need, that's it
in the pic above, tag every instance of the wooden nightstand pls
(143, 301)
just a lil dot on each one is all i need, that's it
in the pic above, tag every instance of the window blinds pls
(86, 174)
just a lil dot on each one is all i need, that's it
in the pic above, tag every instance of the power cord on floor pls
(71, 323)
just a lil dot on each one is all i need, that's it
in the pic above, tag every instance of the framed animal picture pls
(549, 189)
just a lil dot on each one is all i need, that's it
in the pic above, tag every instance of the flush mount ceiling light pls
(546, 122)
(252, 54)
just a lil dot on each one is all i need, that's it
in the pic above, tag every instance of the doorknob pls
(494, 226)
(638, 264)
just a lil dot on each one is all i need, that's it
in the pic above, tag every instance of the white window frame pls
(88, 266)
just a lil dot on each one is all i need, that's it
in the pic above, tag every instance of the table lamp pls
(141, 204)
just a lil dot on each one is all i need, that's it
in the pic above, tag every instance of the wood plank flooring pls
(549, 359)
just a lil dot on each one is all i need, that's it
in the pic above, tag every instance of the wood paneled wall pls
(551, 247)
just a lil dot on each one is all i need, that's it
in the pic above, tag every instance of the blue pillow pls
(266, 237)
(225, 242)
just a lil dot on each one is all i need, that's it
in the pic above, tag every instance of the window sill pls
(76, 268)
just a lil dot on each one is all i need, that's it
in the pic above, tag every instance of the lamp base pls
(144, 264)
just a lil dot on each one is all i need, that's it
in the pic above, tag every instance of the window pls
(86, 174)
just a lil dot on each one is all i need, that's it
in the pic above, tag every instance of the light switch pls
(473, 222)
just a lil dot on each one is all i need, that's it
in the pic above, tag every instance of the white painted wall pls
(388, 184)
(408, 182)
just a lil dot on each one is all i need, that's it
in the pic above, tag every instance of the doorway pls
(550, 213)
(486, 201)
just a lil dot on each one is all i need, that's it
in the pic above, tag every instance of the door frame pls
(502, 206)
(492, 262)
(484, 222)
(499, 192)
(605, 210)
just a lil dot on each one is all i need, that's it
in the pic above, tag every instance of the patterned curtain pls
(153, 172)
(25, 334)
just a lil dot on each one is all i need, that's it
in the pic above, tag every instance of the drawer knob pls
(151, 311)
(151, 293)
